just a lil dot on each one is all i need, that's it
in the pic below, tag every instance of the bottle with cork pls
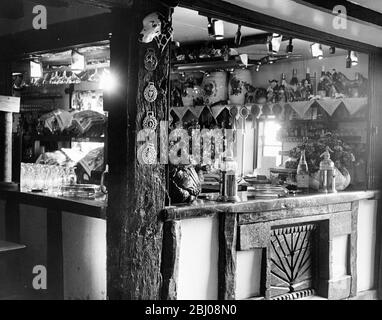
(302, 175)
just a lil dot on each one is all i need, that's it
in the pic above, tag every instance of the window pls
(269, 144)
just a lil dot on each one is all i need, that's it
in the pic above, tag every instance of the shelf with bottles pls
(297, 131)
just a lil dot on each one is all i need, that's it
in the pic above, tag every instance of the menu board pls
(10, 104)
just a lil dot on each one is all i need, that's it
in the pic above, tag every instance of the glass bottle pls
(321, 88)
(327, 175)
(302, 176)
(282, 89)
(72, 176)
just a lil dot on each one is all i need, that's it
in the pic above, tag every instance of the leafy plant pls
(342, 154)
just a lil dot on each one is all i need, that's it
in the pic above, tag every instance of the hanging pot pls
(215, 87)
(238, 84)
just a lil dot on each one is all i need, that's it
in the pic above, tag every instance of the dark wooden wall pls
(136, 192)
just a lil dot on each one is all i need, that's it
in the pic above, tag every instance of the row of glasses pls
(44, 178)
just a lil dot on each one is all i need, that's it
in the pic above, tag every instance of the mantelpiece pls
(302, 246)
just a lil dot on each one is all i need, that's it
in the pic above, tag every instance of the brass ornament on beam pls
(150, 92)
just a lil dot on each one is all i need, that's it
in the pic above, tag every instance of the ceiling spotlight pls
(36, 70)
(275, 43)
(78, 63)
(354, 58)
(289, 48)
(238, 36)
(215, 28)
(258, 68)
(317, 51)
(332, 50)
(351, 59)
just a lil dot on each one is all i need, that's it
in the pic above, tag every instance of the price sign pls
(9, 104)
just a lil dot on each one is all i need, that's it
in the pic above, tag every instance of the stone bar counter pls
(311, 246)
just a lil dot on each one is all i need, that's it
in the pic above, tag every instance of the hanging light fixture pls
(36, 70)
(78, 62)
(317, 51)
(238, 36)
(348, 60)
(274, 43)
(289, 48)
(351, 59)
(354, 58)
(215, 28)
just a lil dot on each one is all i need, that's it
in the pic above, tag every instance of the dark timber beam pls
(137, 192)
(353, 10)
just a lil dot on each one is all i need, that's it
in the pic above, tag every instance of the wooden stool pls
(10, 284)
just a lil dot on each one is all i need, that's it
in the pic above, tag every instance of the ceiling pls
(189, 27)
(303, 15)
(57, 11)
(375, 5)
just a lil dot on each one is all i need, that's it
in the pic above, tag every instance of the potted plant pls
(342, 157)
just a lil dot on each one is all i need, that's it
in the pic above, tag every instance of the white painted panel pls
(340, 256)
(248, 273)
(33, 235)
(2, 219)
(198, 261)
(367, 218)
(84, 246)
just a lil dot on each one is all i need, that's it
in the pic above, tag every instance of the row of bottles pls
(326, 174)
(295, 90)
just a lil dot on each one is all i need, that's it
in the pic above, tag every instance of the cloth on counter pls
(93, 161)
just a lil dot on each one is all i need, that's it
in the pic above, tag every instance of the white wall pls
(248, 273)
(340, 256)
(84, 245)
(84, 250)
(33, 234)
(198, 259)
(367, 222)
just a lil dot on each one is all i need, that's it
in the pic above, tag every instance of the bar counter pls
(305, 246)
(66, 235)
(84, 207)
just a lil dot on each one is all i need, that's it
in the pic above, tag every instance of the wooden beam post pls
(136, 192)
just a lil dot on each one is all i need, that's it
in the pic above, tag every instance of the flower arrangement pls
(342, 154)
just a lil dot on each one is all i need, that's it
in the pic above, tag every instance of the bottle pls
(228, 183)
(321, 88)
(309, 80)
(294, 81)
(72, 179)
(302, 176)
(327, 176)
(282, 89)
